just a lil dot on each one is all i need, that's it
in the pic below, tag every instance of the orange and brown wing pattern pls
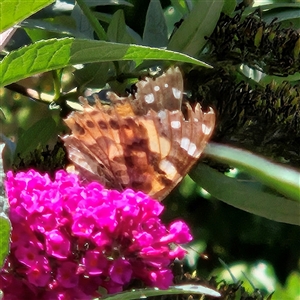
(149, 151)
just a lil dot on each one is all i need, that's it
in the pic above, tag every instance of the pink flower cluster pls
(71, 241)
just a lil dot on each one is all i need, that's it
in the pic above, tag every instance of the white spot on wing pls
(176, 93)
(211, 111)
(175, 124)
(192, 149)
(206, 130)
(149, 98)
(161, 114)
(166, 85)
(184, 143)
(156, 88)
(166, 166)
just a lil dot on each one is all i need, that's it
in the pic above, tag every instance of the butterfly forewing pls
(142, 141)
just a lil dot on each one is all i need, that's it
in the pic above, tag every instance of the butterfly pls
(147, 141)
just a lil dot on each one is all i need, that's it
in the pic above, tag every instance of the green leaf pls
(39, 57)
(38, 134)
(92, 75)
(91, 19)
(83, 24)
(83, 51)
(181, 6)
(292, 285)
(59, 53)
(57, 27)
(117, 31)
(245, 197)
(229, 6)
(173, 17)
(258, 275)
(281, 178)
(5, 230)
(173, 290)
(155, 30)
(14, 11)
(282, 14)
(269, 78)
(92, 3)
(190, 36)
(267, 7)
(107, 19)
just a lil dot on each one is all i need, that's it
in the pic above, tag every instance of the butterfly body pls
(143, 142)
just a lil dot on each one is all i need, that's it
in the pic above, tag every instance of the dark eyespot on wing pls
(114, 124)
(102, 125)
(90, 124)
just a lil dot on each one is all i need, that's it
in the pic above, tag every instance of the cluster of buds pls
(251, 41)
(45, 160)
(275, 107)
(265, 120)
